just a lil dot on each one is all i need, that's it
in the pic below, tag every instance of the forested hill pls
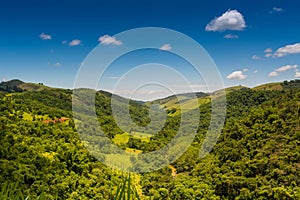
(257, 155)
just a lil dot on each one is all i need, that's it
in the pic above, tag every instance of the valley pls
(257, 155)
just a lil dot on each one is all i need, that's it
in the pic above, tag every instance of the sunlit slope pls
(269, 86)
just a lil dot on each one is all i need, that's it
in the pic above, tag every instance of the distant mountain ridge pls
(16, 85)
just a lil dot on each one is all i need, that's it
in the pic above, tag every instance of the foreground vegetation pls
(256, 157)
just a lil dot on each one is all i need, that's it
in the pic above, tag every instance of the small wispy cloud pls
(57, 64)
(297, 74)
(268, 55)
(255, 71)
(245, 70)
(288, 49)
(268, 50)
(109, 40)
(114, 77)
(283, 69)
(286, 67)
(231, 36)
(273, 74)
(277, 9)
(236, 75)
(166, 47)
(75, 42)
(255, 57)
(230, 20)
(45, 36)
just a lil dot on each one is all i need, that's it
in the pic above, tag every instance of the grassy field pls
(121, 138)
(33, 87)
(124, 138)
(269, 86)
(185, 106)
(120, 161)
(145, 137)
(135, 151)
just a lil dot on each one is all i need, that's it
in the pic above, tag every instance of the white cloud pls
(107, 40)
(75, 42)
(230, 20)
(245, 69)
(255, 71)
(166, 47)
(268, 50)
(45, 36)
(57, 64)
(283, 69)
(185, 87)
(231, 36)
(268, 55)
(255, 57)
(64, 42)
(236, 75)
(288, 49)
(297, 74)
(286, 67)
(114, 77)
(272, 74)
(277, 9)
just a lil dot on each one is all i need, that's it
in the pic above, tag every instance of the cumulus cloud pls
(255, 57)
(230, 20)
(75, 42)
(166, 47)
(273, 74)
(231, 36)
(236, 75)
(288, 49)
(45, 36)
(109, 40)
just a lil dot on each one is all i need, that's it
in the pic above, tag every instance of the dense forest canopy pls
(257, 155)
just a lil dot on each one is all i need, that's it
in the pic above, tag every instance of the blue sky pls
(251, 42)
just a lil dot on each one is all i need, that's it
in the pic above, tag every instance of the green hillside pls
(11, 86)
(257, 155)
(269, 86)
(19, 86)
